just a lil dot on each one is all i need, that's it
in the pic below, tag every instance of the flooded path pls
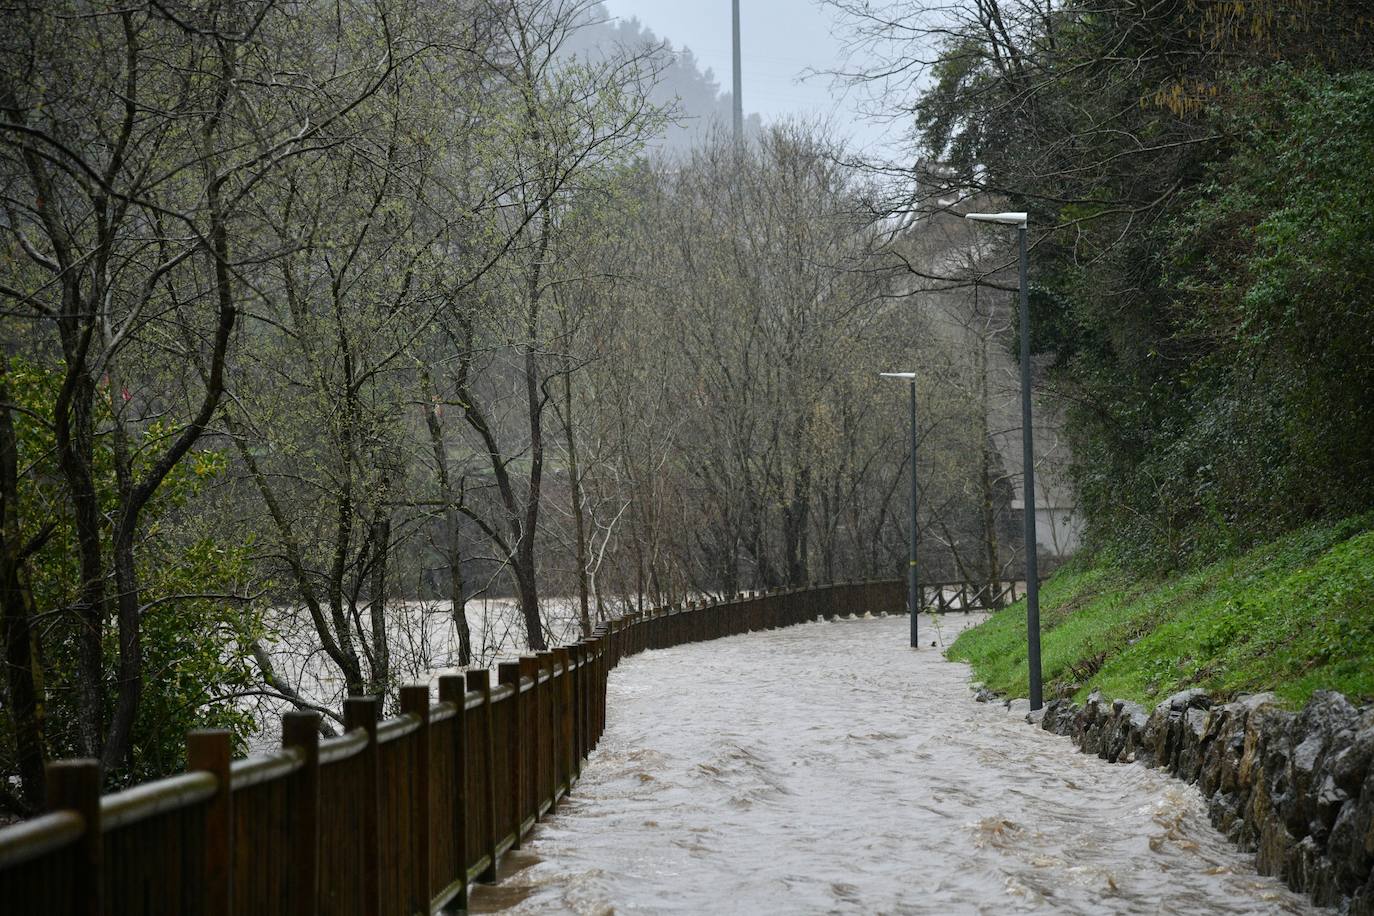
(827, 768)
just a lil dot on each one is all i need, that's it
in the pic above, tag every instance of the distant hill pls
(700, 101)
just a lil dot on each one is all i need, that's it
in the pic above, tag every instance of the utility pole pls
(739, 102)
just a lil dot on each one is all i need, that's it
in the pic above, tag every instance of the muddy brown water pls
(828, 768)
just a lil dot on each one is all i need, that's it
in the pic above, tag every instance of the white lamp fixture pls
(1006, 219)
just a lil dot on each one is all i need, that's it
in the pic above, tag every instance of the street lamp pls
(913, 584)
(1027, 448)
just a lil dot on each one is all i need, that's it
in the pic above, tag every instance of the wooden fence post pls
(607, 663)
(301, 729)
(565, 713)
(509, 673)
(211, 750)
(452, 690)
(363, 712)
(481, 680)
(567, 718)
(74, 785)
(578, 714)
(549, 724)
(530, 741)
(415, 701)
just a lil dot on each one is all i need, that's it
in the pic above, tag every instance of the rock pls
(1362, 904)
(1272, 846)
(1350, 765)
(1191, 744)
(1223, 808)
(1346, 849)
(1091, 722)
(1167, 737)
(1121, 731)
(1265, 764)
(1242, 709)
(1225, 741)
(1018, 707)
(1313, 731)
(1184, 700)
(1060, 717)
(1330, 798)
(1036, 716)
(1350, 844)
(1051, 713)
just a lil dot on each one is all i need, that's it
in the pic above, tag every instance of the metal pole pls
(1027, 448)
(913, 582)
(738, 85)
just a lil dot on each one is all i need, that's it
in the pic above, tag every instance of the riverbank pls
(1290, 617)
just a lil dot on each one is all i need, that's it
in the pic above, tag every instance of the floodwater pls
(423, 643)
(828, 768)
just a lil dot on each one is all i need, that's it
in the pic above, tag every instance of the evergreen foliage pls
(1198, 182)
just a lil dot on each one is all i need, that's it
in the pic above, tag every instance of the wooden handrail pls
(39, 836)
(260, 768)
(133, 805)
(409, 810)
(342, 747)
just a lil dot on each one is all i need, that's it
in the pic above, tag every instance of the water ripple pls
(828, 768)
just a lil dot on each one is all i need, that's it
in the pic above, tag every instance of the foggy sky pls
(780, 39)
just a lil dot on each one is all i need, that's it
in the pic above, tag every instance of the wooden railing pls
(948, 597)
(392, 817)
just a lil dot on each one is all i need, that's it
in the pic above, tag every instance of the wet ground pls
(828, 768)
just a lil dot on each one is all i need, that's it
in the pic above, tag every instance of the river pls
(828, 768)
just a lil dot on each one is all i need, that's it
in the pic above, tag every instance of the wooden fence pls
(392, 817)
(948, 597)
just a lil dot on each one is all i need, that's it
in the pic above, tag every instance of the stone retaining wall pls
(1297, 789)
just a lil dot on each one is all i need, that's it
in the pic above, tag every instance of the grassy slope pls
(1292, 616)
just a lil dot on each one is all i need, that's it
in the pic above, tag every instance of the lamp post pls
(1028, 454)
(913, 583)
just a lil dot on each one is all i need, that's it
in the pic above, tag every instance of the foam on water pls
(828, 768)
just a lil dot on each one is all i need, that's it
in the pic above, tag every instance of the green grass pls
(1292, 616)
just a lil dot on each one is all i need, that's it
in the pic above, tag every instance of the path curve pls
(827, 768)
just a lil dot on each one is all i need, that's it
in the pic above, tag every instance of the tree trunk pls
(452, 516)
(456, 587)
(526, 572)
(796, 519)
(75, 438)
(381, 548)
(575, 495)
(528, 587)
(23, 669)
(129, 682)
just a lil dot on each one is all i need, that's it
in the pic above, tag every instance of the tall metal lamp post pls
(913, 583)
(1027, 448)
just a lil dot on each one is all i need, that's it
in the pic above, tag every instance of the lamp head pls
(1006, 219)
(909, 376)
